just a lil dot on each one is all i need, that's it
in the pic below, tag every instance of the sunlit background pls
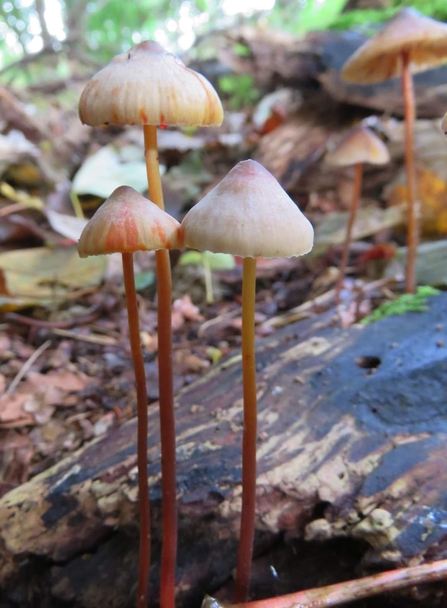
(89, 32)
(24, 21)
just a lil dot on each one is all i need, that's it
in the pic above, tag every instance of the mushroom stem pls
(413, 203)
(246, 538)
(140, 381)
(357, 188)
(165, 383)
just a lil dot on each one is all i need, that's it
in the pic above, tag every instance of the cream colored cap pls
(359, 145)
(127, 222)
(380, 58)
(248, 214)
(149, 86)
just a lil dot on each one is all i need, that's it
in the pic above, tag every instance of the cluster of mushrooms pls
(407, 44)
(247, 214)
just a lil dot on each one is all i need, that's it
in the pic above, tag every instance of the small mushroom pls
(248, 214)
(358, 146)
(149, 86)
(408, 43)
(127, 222)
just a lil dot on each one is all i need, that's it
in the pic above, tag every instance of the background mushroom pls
(359, 145)
(149, 86)
(248, 214)
(127, 222)
(408, 43)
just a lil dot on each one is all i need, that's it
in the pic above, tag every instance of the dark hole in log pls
(368, 362)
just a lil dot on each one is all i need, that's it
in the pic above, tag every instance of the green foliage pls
(365, 19)
(215, 261)
(239, 89)
(369, 18)
(307, 16)
(241, 49)
(408, 302)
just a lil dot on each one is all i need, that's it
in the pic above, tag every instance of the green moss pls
(408, 302)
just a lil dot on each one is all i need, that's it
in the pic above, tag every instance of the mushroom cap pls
(250, 215)
(380, 58)
(127, 222)
(358, 145)
(149, 86)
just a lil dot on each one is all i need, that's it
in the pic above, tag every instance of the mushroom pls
(248, 214)
(149, 86)
(127, 222)
(358, 146)
(408, 43)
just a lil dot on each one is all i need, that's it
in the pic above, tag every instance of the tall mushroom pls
(127, 222)
(358, 146)
(149, 86)
(408, 43)
(248, 214)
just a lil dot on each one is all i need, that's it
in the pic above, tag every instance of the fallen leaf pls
(104, 171)
(42, 276)
(66, 225)
(432, 191)
(184, 310)
(331, 230)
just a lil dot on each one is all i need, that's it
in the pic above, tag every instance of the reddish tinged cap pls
(359, 145)
(250, 215)
(380, 58)
(127, 222)
(149, 86)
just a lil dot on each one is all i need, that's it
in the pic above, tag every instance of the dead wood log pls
(352, 457)
(306, 62)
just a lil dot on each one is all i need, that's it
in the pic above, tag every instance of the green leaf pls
(144, 279)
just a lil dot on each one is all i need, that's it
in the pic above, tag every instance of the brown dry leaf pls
(42, 276)
(12, 413)
(331, 230)
(37, 397)
(64, 380)
(16, 453)
(184, 310)
(433, 198)
(186, 361)
(2, 384)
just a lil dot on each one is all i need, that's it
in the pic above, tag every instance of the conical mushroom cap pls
(149, 86)
(359, 145)
(250, 215)
(127, 222)
(380, 58)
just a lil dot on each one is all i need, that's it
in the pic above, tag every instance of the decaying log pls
(317, 58)
(352, 458)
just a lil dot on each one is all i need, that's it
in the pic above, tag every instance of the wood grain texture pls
(352, 448)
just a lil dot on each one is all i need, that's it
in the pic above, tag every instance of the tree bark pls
(352, 458)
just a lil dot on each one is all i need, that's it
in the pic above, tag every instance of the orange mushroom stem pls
(409, 43)
(127, 222)
(149, 86)
(359, 145)
(248, 214)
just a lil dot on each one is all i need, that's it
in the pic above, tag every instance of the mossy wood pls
(352, 446)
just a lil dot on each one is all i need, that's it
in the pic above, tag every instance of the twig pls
(349, 591)
(91, 339)
(89, 316)
(26, 366)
